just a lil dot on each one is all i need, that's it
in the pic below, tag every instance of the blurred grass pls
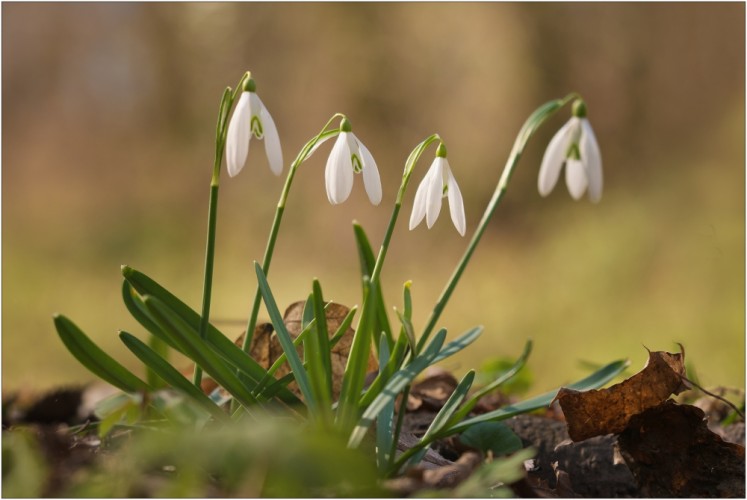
(109, 165)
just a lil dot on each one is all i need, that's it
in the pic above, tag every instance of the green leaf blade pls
(198, 351)
(169, 374)
(95, 359)
(593, 381)
(284, 338)
(398, 382)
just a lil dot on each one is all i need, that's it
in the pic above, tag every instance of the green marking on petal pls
(573, 152)
(357, 165)
(256, 125)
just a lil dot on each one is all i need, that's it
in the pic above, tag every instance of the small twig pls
(733, 407)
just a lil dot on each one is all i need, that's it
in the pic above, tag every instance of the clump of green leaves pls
(254, 394)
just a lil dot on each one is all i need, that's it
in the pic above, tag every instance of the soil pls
(669, 450)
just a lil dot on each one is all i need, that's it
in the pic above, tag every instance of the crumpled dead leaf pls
(432, 391)
(607, 411)
(266, 349)
(672, 453)
(448, 475)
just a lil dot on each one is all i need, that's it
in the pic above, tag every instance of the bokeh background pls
(108, 123)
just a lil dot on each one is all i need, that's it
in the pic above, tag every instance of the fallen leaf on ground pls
(672, 453)
(432, 391)
(607, 411)
(266, 349)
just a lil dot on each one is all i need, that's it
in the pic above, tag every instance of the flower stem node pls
(349, 156)
(437, 184)
(251, 118)
(576, 147)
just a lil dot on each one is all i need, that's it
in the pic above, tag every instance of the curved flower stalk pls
(437, 184)
(574, 146)
(251, 118)
(349, 156)
(535, 120)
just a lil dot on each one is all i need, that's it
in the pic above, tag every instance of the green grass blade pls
(170, 374)
(367, 262)
(198, 351)
(398, 382)
(285, 339)
(593, 381)
(231, 353)
(94, 359)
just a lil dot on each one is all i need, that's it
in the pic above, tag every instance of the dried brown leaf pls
(607, 411)
(266, 349)
(672, 453)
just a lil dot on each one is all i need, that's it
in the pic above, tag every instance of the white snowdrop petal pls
(339, 172)
(592, 159)
(371, 179)
(272, 140)
(456, 204)
(238, 135)
(435, 192)
(575, 178)
(553, 159)
(418, 206)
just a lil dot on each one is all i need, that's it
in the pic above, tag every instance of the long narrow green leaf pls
(285, 339)
(198, 351)
(506, 375)
(593, 381)
(137, 309)
(458, 344)
(233, 354)
(320, 364)
(267, 391)
(409, 331)
(170, 374)
(395, 361)
(367, 262)
(384, 421)
(444, 415)
(398, 382)
(355, 369)
(94, 359)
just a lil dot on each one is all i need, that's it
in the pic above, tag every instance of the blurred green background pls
(108, 123)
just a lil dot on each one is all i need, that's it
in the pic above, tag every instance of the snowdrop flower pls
(251, 118)
(438, 183)
(574, 146)
(349, 156)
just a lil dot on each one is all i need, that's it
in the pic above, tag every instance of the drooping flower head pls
(437, 184)
(349, 156)
(574, 146)
(251, 118)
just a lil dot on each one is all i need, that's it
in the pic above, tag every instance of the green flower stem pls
(271, 240)
(220, 143)
(359, 351)
(534, 121)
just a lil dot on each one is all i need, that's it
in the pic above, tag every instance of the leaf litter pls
(624, 441)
